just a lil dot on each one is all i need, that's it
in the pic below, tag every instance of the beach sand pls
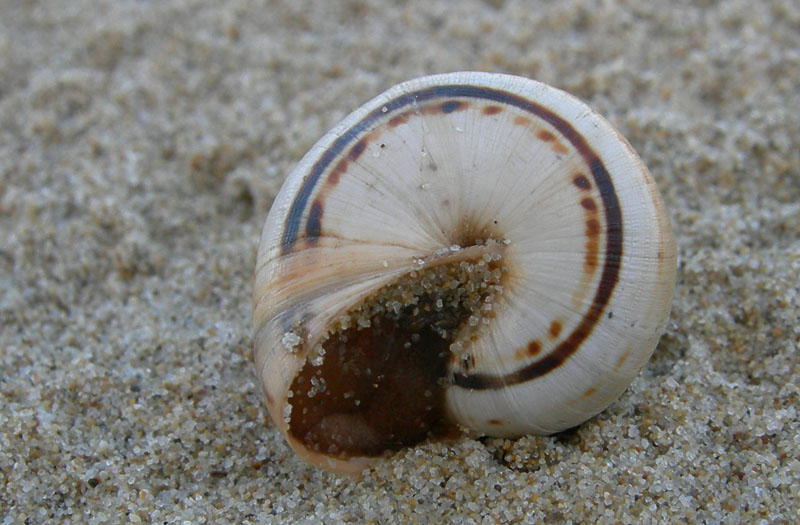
(142, 143)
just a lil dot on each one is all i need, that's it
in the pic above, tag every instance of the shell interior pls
(376, 382)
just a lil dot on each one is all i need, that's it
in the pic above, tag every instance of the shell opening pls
(376, 381)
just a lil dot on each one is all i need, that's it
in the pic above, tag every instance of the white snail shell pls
(465, 251)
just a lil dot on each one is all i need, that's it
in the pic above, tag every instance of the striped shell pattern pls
(466, 253)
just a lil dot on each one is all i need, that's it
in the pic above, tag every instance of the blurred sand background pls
(141, 144)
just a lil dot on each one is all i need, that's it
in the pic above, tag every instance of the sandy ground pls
(141, 144)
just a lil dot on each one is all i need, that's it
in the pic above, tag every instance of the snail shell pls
(466, 252)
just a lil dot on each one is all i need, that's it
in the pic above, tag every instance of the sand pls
(141, 144)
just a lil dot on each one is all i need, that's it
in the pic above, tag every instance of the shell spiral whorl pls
(465, 251)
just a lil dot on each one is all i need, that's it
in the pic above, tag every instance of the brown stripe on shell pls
(448, 106)
(591, 249)
(590, 260)
(551, 139)
(358, 149)
(314, 223)
(353, 155)
(592, 227)
(452, 105)
(337, 172)
(545, 135)
(581, 182)
(555, 329)
(621, 359)
(402, 118)
(491, 110)
(522, 121)
(592, 233)
(531, 350)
